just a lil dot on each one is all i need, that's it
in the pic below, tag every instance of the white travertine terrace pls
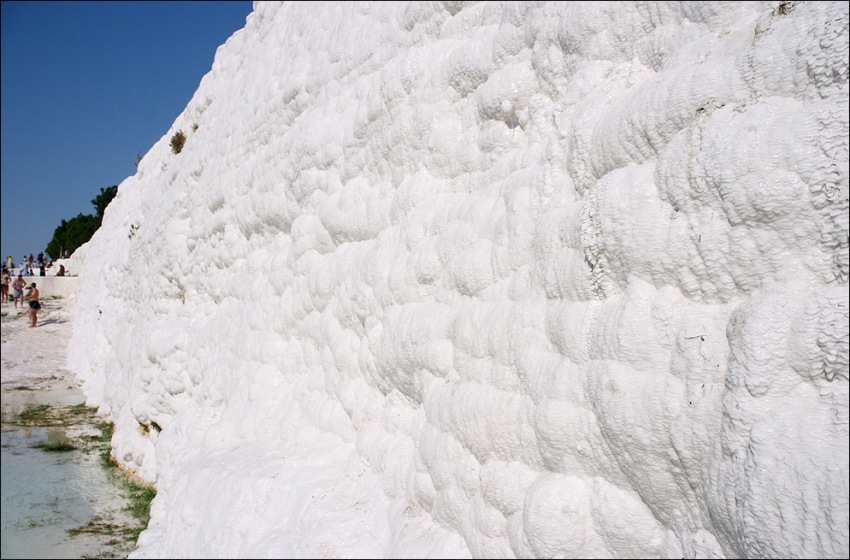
(494, 280)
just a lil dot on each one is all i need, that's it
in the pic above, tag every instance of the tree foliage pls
(74, 232)
(102, 200)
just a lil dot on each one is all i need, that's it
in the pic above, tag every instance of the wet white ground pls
(45, 494)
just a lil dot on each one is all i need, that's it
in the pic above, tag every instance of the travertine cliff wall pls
(452, 279)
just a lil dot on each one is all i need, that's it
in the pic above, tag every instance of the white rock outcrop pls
(493, 280)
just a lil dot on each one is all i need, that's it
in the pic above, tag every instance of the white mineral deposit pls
(453, 279)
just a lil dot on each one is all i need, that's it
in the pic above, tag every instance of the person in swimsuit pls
(34, 306)
(6, 282)
(18, 289)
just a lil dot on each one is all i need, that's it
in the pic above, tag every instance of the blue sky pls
(85, 87)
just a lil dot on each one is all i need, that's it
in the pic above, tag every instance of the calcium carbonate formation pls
(452, 279)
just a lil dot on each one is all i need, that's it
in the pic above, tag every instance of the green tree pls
(74, 232)
(102, 200)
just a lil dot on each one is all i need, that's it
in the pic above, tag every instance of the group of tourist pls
(29, 264)
(26, 294)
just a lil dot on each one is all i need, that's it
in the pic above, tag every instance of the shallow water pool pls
(46, 494)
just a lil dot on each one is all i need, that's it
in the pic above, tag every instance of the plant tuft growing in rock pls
(177, 141)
